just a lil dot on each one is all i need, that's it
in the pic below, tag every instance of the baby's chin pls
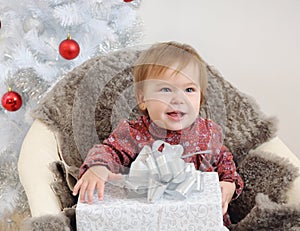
(172, 126)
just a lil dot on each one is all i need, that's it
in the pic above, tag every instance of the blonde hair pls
(161, 56)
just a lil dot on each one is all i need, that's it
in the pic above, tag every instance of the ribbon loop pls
(160, 170)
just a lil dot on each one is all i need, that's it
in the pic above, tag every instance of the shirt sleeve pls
(225, 165)
(116, 152)
(227, 171)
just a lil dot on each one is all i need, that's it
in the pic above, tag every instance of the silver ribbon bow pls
(161, 169)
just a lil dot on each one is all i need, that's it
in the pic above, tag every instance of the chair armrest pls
(277, 147)
(38, 150)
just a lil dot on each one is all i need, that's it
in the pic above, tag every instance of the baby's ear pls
(140, 97)
(141, 101)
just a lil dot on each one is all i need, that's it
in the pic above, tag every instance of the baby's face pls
(173, 99)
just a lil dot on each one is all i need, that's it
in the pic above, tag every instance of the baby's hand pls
(228, 190)
(93, 178)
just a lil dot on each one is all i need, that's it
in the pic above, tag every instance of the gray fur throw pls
(85, 105)
(88, 102)
(58, 222)
(268, 215)
(265, 173)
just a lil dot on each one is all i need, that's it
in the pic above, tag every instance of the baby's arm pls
(230, 181)
(93, 178)
(104, 160)
(228, 190)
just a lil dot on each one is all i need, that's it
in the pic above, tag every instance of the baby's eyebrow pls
(164, 83)
(191, 84)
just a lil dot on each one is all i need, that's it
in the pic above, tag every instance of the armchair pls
(88, 102)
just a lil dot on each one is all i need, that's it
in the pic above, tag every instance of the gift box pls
(201, 210)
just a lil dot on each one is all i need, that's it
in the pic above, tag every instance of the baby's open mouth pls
(176, 114)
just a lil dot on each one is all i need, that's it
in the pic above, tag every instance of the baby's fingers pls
(100, 190)
(224, 207)
(83, 191)
(77, 187)
(90, 192)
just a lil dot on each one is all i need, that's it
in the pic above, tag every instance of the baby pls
(170, 84)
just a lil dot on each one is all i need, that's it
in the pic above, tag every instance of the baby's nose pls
(178, 98)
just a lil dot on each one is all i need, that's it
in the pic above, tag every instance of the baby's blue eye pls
(165, 89)
(190, 89)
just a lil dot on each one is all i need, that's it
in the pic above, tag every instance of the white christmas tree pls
(30, 62)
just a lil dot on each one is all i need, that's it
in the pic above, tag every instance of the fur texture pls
(88, 102)
(262, 173)
(64, 177)
(268, 215)
(58, 222)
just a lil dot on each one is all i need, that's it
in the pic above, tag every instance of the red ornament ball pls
(128, 0)
(69, 48)
(11, 101)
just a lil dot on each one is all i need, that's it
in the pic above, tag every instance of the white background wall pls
(254, 44)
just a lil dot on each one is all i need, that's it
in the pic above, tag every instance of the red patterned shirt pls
(120, 149)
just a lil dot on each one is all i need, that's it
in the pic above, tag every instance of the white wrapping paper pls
(199, 211)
